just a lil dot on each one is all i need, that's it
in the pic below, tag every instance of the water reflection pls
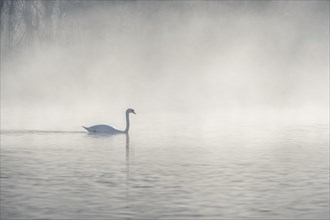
(105, 135)
(127, 148)
(112, 136)
(127, 171)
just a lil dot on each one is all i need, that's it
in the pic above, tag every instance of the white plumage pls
(109, 129)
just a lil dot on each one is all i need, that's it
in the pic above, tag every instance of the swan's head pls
(130, 111)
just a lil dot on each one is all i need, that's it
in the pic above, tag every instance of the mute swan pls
(109, 129)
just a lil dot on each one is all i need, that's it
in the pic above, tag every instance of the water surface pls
(236, 171)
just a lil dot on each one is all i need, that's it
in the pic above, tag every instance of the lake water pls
(230, 172)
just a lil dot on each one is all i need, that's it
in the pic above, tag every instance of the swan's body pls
(103, 129)
(108, 129)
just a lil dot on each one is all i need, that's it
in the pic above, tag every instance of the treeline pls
(26, 22)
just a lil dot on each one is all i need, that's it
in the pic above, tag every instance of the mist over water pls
(213, 61)
(232, 103)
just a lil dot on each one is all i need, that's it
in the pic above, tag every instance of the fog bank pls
(205, 61)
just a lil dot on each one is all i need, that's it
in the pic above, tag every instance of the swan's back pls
(103, 129)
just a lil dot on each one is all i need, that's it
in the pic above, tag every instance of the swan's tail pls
(86, 129)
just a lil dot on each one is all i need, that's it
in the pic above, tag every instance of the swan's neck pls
(127, 123)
